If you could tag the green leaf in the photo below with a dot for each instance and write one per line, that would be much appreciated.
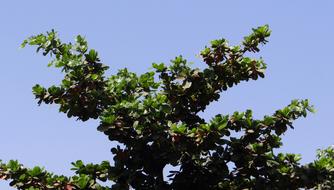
(83, 181)
(91, 57)
(159, 67)
(38, 90)
(94, 76)
(36, 171)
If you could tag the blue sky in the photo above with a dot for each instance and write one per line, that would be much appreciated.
(134, 34)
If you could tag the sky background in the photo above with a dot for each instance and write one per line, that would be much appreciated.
(134, 34)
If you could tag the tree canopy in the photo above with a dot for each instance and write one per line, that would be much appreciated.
(153, 120)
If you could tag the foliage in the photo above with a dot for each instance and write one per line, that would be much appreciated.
(156, 124)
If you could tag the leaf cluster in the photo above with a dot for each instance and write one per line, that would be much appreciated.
(154, 118)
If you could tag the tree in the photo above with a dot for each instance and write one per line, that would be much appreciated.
(156, 124)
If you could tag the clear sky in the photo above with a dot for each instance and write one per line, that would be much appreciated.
(134, 34)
